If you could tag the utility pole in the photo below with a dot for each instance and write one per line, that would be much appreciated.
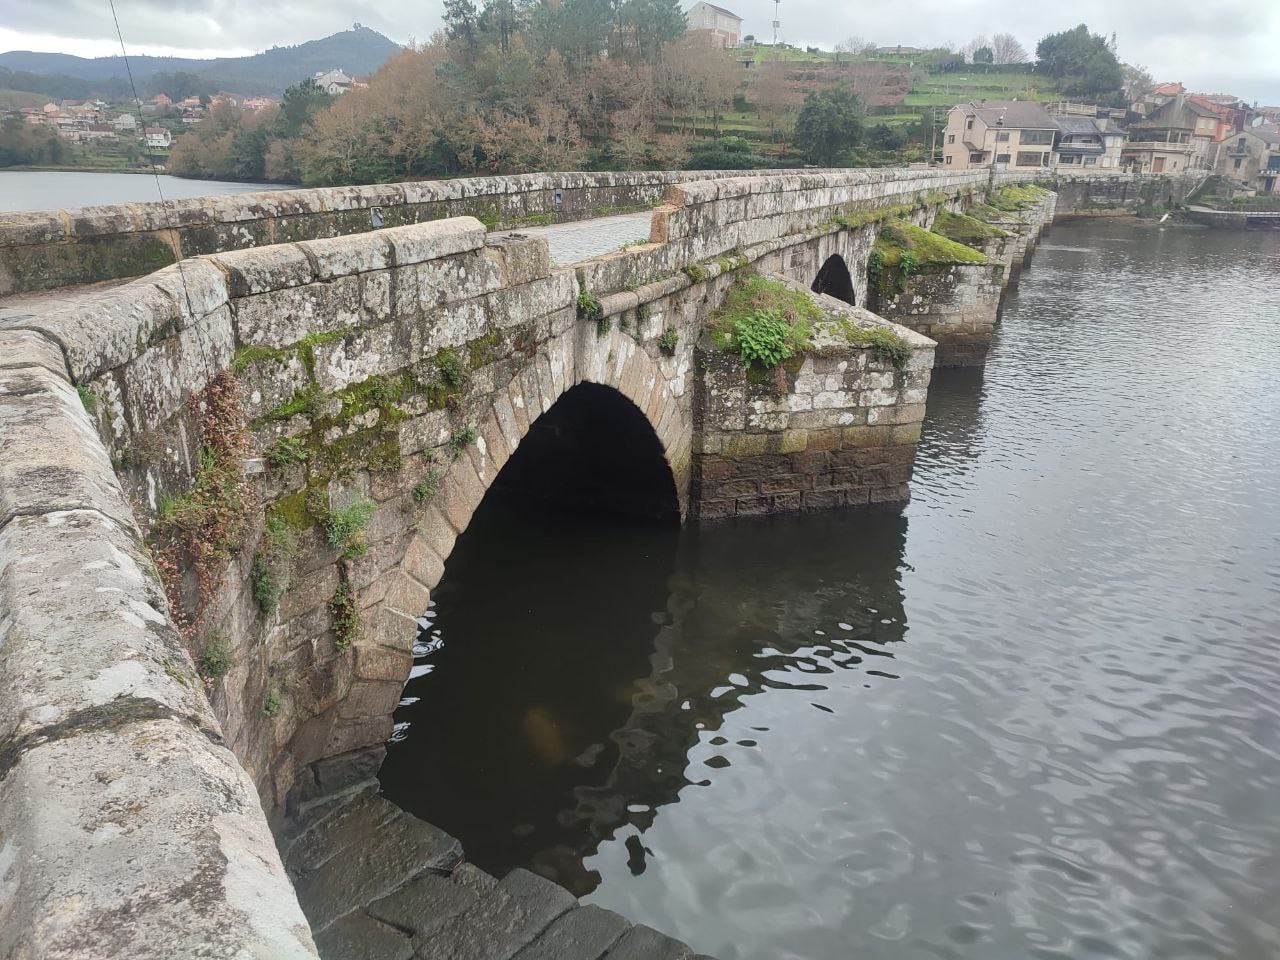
(933, 128)
(777, 19)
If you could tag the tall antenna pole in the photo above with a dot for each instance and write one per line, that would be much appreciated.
(777, 19)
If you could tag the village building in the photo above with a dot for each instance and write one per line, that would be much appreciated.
(1018, 133)
(1183, 134)
(1085, 142)
(158, 138)
(723, 26)
(334, 82)
(1250, 159)
(125, 123)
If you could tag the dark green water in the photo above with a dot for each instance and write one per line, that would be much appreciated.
(1037, 715)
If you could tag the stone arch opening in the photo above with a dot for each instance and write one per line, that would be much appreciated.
(835, 280)
(497, 730)
(593, 451)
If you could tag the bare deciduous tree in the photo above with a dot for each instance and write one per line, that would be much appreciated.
(1137, 81)
(977, 43)
(857, 46)
(1007, 49)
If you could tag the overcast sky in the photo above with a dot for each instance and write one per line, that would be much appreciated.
(1213, 46)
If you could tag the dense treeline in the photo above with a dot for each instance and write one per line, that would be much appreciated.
(524, 85)
(22, 145)
(61, 87)
(507, 85)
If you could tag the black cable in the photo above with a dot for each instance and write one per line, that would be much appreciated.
(164, 202)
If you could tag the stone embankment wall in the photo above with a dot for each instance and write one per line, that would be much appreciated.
(1119, 194)
(360, 393)
(55, 248)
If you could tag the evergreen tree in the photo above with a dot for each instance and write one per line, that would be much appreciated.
(829, 125)
(461, 21)
(1085, 61)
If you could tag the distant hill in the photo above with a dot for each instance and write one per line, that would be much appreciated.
(359, 50)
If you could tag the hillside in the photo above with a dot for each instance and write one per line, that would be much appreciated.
(359, 50)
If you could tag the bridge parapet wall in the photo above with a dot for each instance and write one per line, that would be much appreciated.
(712, 217)
(127, 826)
(41, 250)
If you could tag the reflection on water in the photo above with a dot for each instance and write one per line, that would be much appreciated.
(1035, 717)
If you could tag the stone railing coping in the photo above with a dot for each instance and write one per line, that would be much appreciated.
(104, 328)
(48, 226)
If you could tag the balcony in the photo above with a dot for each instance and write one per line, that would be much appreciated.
(1158, 146)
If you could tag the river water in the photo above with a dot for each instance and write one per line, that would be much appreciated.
(1036, 715)
(65, 190)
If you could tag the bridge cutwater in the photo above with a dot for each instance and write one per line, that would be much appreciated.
(240, 436)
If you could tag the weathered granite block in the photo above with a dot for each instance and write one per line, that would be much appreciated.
(764, 450)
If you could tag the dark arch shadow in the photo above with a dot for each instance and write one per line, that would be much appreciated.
(835, 281)
(538, 631)
(592, 452)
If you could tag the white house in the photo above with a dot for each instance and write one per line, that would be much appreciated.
(334, 82)
(158, 138)
(724, 26)
(125, 123)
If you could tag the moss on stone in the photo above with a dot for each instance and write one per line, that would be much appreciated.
(272, 571)
(961, 228)
(305, 400)
(304, 350)
(87, 399)
(344, 608)
(1014, 198)
(885, 344)
(989, 214)
(293, 510)
(900, 239)
(696, 272)
(483, 350)
(764, 321)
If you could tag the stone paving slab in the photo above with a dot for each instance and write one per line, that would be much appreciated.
(371, 895)
(587, 239)
(358, 936)
(582, 934)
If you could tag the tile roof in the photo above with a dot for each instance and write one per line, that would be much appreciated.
(727, 13)
(1012, 113)
(1077, 125)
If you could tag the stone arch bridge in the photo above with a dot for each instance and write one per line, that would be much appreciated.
(228, 486)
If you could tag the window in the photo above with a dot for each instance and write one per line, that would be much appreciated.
(969, 124)
(1242, 144)
(1037, 137)
(1239, 161)
(1029, 159)
(951, 138)
(975, 158)
(1002, 158)
(1090, 161)
(948, 159)
(1002, 136)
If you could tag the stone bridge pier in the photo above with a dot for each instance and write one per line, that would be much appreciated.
(229, 485)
